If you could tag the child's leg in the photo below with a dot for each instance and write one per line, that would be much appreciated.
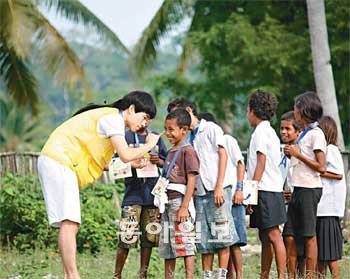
(266, 254)
(145, 258)
(292, 256)
(122, 254)
(334, 268)
(189, 266)
(207, 261)
(237, 261)
(321, 268)
(223, 255)
(311, 256)
(231, 268)
(274, 236)
(301, 267)
(170, 268)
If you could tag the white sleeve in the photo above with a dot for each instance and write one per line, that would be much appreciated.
(233, 150)
(319, 141)
(215, 134)
(334, 160)
(111, 125)
(260, 142)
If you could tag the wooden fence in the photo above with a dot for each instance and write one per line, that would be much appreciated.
(25, 163)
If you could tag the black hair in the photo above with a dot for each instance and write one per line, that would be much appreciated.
(329, 128)
(182, 117)
(142, 101)
(263, 104)
(181, 103)
(207, 116)
(309, 105)
(291, 117)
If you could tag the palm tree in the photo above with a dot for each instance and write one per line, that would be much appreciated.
(321, 60)
(23, 27)
(19, 130)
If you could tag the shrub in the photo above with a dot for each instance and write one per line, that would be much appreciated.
(24, 223)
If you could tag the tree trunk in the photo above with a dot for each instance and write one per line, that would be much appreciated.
(321, 61)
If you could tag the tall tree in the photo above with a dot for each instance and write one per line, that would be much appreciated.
(321, 61)
(24, 27)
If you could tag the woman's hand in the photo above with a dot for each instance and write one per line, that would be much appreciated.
(152, 138)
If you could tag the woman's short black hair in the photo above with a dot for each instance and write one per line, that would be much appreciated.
(142, 101)
(263, 104)
(181, 103)
(182, 117)
(309, 105)
(290, 116)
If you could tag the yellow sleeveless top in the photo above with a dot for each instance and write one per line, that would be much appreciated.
(77, 145)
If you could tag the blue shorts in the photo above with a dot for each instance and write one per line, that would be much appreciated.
(238, 214)
(214, 226)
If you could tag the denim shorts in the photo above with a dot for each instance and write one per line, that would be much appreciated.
(214, 226)
(176, 239)
(238, 214)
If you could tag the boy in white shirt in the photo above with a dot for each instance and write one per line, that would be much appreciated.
(235, 267)
(214, 192)
(263, 166)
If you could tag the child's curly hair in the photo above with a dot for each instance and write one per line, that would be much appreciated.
(263, 104)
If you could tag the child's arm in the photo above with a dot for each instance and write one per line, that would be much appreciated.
(259, 171)
(238, 196)
(183, 213)
(219, 191)
(260, 166)
(319, 165)
(332, 175)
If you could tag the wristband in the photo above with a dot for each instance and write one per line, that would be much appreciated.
(239, 186)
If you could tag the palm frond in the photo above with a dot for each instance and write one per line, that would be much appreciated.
(76, 12)
(59, 59)
(16, 25)
(18, 79)
(144, 53)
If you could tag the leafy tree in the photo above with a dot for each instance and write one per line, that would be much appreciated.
(239, 46)
(23, 28)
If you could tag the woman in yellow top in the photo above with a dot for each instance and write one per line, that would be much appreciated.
(77, 152)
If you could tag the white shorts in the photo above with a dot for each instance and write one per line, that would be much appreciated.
(61, 191)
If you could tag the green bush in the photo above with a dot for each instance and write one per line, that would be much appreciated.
(24, 223)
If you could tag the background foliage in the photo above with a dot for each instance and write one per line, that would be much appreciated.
(24, 223)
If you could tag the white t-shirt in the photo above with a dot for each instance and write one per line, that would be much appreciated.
(206, 143)
(304, 176)
(265, 140)
(111, 125)
(332, 202)
(235, 155)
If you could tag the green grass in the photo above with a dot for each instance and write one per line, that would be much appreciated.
(40, 263)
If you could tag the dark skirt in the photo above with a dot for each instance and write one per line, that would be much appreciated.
(329, 238)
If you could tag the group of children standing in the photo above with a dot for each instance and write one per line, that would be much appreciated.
(199, 194)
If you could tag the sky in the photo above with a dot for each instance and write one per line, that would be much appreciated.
(127, 18)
